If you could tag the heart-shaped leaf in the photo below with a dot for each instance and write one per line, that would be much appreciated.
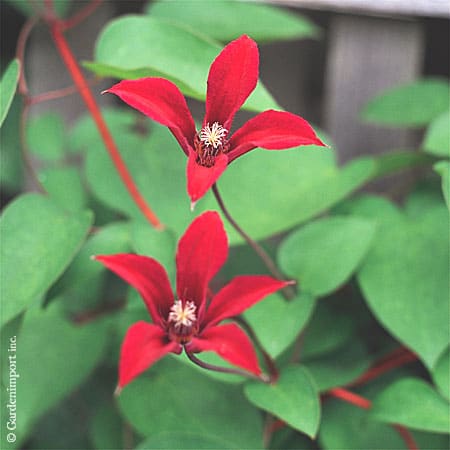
(404, 277)
(278, 322)
(293, 398)
(323, 254)
(413, 403)
(41, 239)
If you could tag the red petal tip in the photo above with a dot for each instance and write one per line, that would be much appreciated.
(193, 203)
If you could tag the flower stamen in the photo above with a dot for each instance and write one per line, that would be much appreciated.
(213, 136)
(182, 315)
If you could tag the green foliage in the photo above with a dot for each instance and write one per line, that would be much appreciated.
(339, 366)
(48, 352)
(437, 137)
(411, 105)
(227, 20)
(278, 322)
(323, 254)
(293, 398)
(46, 137)
(11, 165)
(425, 410)
(41, 249)
(441, 374)
(8, 85)
(127, 44)
(192, 397)
(404, 276)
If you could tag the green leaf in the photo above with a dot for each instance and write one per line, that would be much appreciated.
(441, 374)
(396, 161)
(407, 266)
(39, 239)
(414, 104)
(413, 403)
(46, 136)
(84, 134)
(263, 188)
(64, 185)
(443, 169)
(49, 347)
(339, 367)
(437, 137)
(81, 284)
(107, 428)
(323, 254)
(345, 426)
(329, 329)
(227, 20)
(160, 245)
(129, 43)
(278, 322)
(193, 398)
(8, 85)
(184, 440)
(11, 164)
(293, 398)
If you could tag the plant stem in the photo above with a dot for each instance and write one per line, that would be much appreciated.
(288, 292)
(55, 94)
(229, 370)
(83, 88)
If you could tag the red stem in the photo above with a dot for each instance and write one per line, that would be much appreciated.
(83, 88)
(396, 359)
(363, 403)
(55, 94)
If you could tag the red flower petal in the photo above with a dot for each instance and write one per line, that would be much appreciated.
(230, 343)
(162, 101)
(238, 295)
(143, 345)
(200, 178)
(232, 77)
(148, 277)
(272, 130)
(202, 251)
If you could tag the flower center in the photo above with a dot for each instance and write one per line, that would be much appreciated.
(209, 142)
(182, 315)
(182, 321)
(213, 136)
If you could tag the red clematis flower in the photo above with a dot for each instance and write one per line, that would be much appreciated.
(185, 320)
(232, 77)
